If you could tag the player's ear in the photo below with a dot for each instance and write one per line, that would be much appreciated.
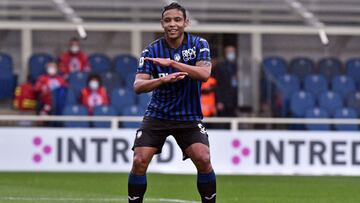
(187, 22)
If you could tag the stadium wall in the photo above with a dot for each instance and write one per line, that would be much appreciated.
(239, 152)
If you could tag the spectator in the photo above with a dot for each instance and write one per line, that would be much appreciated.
(208, 103)
(226, 94)
(73, 60)
(94, 94)
(46, 84)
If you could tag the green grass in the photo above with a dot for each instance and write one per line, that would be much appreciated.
(112, 187)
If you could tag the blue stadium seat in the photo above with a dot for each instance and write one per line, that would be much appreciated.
(111, 81)
(121, 99)
(133, 110)
(353, 70)
(299, 102)
(274, 67)
(301, 66)
(129, 81)
(343, 85)
(287, 85)
(75, 110)
(125, 64)
(330, 101)
(104, 111)
(315, 84)
(353, 101)
(71, 98)
(143, 99)
(7, 79)
(37, 65)
(330, 67)
(346, 113)
(58, 100)
(77, 81)
(99, 63)
(317, 113)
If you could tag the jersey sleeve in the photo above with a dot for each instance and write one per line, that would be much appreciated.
(203, 50)
(145, 66)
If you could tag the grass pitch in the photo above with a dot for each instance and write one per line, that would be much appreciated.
(112, 187)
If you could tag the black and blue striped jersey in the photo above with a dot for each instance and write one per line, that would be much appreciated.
(180, 100)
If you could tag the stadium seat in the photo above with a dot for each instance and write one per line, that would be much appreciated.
(317, 113)
(77, 81)
(37, 65)
(330, 67)
(287, 85)
(111, 81)
(125, 64)
(346, 113)
(353, 70)
(129, 81)
(315, 84)
(104, 111)
(274, 67)
(353, 101)
(299, 102)
(343, 85)
(301, 67)
(7, 79)
(58, 100)
(330, 101)
(71, 97)
(143, 99)
(99, 63)
(133, 110)
(75, 110)
(121, 99)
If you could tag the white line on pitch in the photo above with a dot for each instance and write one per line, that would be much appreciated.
(91, 199)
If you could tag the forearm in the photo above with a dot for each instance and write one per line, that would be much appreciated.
(195, 72)
(141, 86)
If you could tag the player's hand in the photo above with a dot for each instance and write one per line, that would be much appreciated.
(174, 77)
(160, 61)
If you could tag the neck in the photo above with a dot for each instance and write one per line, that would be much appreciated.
(175, 43)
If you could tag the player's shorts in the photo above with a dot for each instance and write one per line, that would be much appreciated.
(153, 133)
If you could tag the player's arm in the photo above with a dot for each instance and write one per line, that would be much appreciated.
(201, 71)
(144, 83)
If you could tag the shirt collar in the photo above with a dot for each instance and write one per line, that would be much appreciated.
(185, 40)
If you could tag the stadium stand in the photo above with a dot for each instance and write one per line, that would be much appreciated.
(353, 70)
(7, 78)
(317, 113)
(75, 110)
(330, 101)
(125, 64)
(286, 85)
(121, 99)
(99, 63)
(343, 85)
(111, 81)
(353, 101)
(300, 102)
(37, 64)
(301, 66)
(77, 81)
(274, 67)
(330, 67)
(346, 113)
(133, 110)
(104, 111)
(315, 84)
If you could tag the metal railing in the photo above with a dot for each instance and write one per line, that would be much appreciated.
(234, 121)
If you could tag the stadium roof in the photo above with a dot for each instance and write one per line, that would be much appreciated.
(242, 12)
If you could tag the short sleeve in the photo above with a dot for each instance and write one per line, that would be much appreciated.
(203, 50)
(145, 66)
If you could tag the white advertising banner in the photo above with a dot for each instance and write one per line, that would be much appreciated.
(242, 152)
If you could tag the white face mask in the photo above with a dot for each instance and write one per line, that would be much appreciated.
(94, 85)
(231, 56)
(74, 49)
(52, 70)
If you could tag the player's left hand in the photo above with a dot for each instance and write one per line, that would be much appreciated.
(160, 61)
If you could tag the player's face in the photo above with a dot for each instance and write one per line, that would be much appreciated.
(173, 23)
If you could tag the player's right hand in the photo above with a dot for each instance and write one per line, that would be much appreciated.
(174, 77)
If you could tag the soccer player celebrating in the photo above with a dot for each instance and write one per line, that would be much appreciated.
(173, 67)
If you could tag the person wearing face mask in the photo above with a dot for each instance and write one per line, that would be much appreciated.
(94, 94)
(226, 74)
(46, 84)
(74, 59)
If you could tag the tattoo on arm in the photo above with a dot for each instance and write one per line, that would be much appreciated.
(204, 63)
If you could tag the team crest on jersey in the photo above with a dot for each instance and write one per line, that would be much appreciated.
(177, 57)
(141, 62)
(189, 54)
